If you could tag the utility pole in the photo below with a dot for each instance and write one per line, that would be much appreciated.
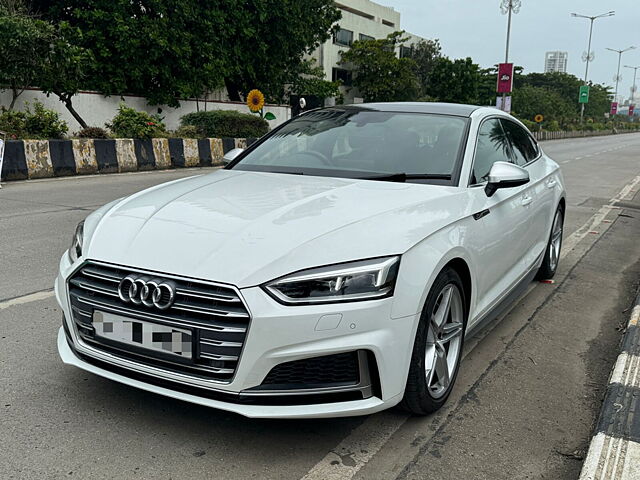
(508, 7)
(617, 78)
(634, 87)
(589, 55)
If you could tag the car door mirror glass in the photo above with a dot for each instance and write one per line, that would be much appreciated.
(231, 155)
(505, 175)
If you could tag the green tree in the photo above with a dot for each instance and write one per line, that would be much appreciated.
(455, 81)
(66, 68)
(310, 81)
(24, 46)
(529, 101)
(160, 49)
(268, 40)
(567, 86)
(378, 73)
(425, 53)
(165, 50)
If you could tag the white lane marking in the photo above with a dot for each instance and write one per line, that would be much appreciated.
(365, 441)
(32, 297)
(591, 224)
(578, 158)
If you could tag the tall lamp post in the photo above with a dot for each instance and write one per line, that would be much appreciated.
(633, 88)
(589, 55)
(617, 78)
(509, 8)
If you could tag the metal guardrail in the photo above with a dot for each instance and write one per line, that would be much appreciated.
(546, 135)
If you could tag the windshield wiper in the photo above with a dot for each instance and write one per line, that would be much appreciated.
(403, 177)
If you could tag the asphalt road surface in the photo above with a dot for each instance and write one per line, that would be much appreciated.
(525, 401)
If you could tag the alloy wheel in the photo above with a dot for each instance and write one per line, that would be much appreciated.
(556, 241)
(444, 340)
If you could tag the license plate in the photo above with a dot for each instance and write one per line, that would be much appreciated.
(152, 336)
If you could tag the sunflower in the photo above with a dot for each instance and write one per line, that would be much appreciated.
(255, 100)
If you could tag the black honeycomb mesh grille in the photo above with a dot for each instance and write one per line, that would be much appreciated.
(341, 368)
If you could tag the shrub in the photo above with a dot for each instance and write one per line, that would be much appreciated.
(13, 123)
(226, 123)
(44, 123)
(188, 131)
(37, 123)
(130, 123)
(533, 126)
(93, 132)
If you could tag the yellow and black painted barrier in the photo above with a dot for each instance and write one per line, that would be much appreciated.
(28, 159)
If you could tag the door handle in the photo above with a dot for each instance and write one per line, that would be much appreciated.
(526, 200)
(551, 183)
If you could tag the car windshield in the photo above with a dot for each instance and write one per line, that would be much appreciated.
(360, 143)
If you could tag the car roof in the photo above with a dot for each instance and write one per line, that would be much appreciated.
(456, 109)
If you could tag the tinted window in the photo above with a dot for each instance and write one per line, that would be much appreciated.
(357, 142)
(343, 37)
(523, 148)
(492, 146)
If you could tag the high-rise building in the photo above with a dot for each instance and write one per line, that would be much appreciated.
(555, 62)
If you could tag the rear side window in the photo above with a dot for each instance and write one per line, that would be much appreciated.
(523, 148)
(492, 146)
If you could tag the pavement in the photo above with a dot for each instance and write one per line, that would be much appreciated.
(525, 405)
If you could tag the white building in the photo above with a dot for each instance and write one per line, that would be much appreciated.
(361, 20)
(555, 62)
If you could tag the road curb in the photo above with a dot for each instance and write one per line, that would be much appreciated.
(30, 159)
(614, 451)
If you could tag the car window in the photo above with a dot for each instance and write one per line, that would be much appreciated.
(354, 142)
(522, 147)
(492, 146)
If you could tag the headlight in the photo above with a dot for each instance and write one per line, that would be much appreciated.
(361, 280)
(75, 250)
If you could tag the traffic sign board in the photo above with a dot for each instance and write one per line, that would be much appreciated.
(584, 94)
(538, 118)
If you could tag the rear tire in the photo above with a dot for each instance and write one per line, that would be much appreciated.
(437, 347)
(552, 254)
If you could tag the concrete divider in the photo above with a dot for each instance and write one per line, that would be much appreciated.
(27, 159)
(614, 451)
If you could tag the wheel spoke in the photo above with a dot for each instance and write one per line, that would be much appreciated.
(442, 367)
(430, 362)
(450, 331)
(441, 314)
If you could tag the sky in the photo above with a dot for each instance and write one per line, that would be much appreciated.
(477, 29)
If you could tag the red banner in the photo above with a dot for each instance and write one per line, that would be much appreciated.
(505, 78)
(614, 108)
(632, 109)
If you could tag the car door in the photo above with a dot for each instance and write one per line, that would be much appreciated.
(539, 196)
(502, 234)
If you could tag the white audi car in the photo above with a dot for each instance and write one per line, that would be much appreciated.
(332, 268)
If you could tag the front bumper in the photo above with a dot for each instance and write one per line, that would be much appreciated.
(277, 334)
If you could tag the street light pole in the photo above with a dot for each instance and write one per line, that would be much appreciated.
(618, 78)
(589, 54)
(508, 7)
(633, 88)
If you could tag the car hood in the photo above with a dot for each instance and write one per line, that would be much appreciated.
(246, 228)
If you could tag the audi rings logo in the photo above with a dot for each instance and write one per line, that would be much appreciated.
(150, 292)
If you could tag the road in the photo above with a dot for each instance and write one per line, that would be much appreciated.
(526, 398)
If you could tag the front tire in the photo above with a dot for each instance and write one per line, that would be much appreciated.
(438, 345)
(552, 254)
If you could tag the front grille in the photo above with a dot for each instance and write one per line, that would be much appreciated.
(214, 314)
(328, 370)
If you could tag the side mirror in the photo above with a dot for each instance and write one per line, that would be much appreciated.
(231, 155)
(505, 175)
